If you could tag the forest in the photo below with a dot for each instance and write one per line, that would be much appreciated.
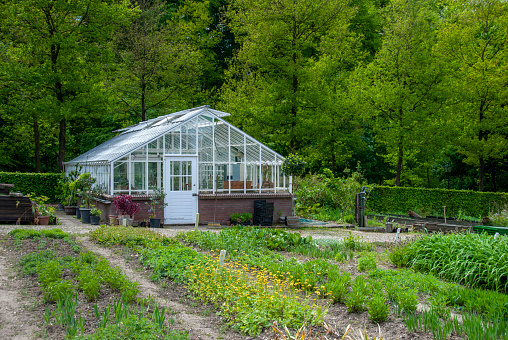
(408, 92)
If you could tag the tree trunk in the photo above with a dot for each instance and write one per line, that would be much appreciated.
(399, 163)
(37, 144)
(61, 144)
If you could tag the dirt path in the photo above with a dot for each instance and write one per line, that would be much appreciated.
(199, 326)
(17, 322)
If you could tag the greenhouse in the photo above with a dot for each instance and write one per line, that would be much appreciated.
(188, 154)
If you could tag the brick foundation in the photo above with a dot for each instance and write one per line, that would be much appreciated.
(105, 204)
(239, 203)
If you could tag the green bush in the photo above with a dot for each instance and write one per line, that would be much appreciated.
(430, 201)
(367, 262)
(46, 184)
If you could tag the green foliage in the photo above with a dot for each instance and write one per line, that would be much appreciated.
(133, 327)
(46, 184)
(21, 234)
(338, 286)
(472, 203)
(95, 212)
(356, 299)
(378, 309)
(52, 284)
(476, 260)
(406, 299)
(326, 190)
(367, 262)
(293, 165)
(499, 218)
(355, 243)
(241, 217)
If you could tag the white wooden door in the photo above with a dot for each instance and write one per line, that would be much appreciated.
(180, 185)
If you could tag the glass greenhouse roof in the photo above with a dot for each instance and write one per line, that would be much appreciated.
(132, 137)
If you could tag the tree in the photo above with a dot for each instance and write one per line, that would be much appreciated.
(159, 59)
(398, 93)
(473, 43)
(61, 47)
(267, 84)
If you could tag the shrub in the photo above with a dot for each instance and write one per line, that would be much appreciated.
(466, 202)
(45, 184)
(338, 285)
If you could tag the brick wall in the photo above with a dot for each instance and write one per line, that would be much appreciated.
(238, 203)
(105, 204)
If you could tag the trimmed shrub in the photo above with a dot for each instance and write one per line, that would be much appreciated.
(465, 202)
(45, 184)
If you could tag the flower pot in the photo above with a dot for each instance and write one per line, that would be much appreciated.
(69, 210)
(94, 220)
(142, 224)
(113, 220)
(78, 212)
(155, 223)
(85, 215)
(43, 220)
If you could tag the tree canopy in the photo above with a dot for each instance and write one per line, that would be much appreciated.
(393, 88)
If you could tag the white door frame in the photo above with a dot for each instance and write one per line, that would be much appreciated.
(193, 193)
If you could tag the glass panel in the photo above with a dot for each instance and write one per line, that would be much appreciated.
(139, 176)
(120, 178)
(175, 183)
(173, 142)
(187, 183)
(205, 176)
(154, 175)
(139, 154)
(155, 151)
(175, 168)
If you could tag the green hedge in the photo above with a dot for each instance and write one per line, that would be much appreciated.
(385, 199)
(39, 184)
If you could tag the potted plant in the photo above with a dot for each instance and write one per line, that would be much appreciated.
(95, 215)
(86, 182)
(156, 202)
(70, 199)
(126, 207)
(44, 214)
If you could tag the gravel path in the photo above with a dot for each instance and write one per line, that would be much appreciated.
(70, 224)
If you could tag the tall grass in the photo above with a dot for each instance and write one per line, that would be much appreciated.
(476, 260)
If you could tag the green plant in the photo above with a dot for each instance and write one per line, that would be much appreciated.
(338, 285)
(406, 300)
(367, 262)
(355, 300)
(38, 184)
(241, 217)
(355, 243)
(500, 218)
(95, 212)
(476, 260)
(377, 308)
(85, 183)
(156, 202)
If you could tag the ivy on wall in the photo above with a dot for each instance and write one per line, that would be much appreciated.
(385, 199)
(45, 184)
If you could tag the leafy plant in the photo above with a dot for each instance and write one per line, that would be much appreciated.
(95, 212)
(377, 308)
(338, 286)
(355, 300)
(367, 262)
(407, 300)
(156, 202)
(241, 217)
(125, 206)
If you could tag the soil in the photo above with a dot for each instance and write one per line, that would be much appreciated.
(22, 307)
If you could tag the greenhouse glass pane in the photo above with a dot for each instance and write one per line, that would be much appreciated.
(139, 176)
(173, 143)
(252, 151)
(139, 154)
(189, 147)
(120, 176)
(154, 175)
(205, 176)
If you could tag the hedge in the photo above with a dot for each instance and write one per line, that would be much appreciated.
(40, 184)
(385, 199)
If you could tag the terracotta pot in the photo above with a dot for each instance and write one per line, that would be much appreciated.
(43, 220)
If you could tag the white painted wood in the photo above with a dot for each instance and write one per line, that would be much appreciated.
(182, 204)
